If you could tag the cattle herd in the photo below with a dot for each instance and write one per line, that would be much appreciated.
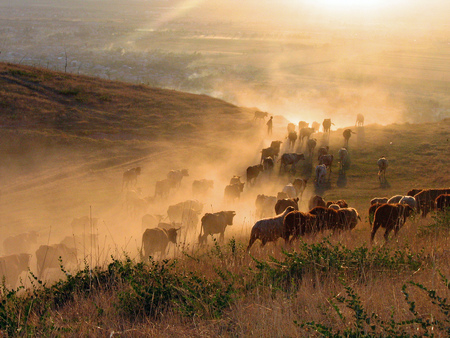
(275, 216)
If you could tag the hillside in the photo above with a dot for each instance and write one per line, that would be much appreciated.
(66, 141)
(57, 128)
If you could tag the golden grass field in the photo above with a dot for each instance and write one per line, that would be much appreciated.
(67, 139)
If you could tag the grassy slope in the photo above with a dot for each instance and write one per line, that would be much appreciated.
(95, 125)
(85, 131)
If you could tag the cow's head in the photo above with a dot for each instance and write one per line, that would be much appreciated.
(172, 234)
(229, 215)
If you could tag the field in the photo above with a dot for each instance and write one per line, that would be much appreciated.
(67, 141)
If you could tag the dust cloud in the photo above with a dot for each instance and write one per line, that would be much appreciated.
(296, 62)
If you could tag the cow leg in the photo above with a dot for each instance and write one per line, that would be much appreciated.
(374, 231)
(386, 233)
(251, 241)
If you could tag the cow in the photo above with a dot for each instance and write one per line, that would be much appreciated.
(316, 201)
(175, 177)
(390, 217)
(347, 134)
(316, 126)
(135, 203)
(271, 151)
(48, 256)
(235, 180)
(321, 174)
(327, 125)
(305, 133)
(156, 240)
(86, 243)
(215, 223)
(382, 166)
(265, 205)
(302, 124)
(283, 204)
(190, 219)
(359, 120)
(11, 267)
(290, 190)
(326, 218)
(290, 159)
(130, 176)
(253, 172)
(327, 160)
(292, 137)
(372, 209)
(442, 202)
(268, 229)
(322, 151)
(175, 212)
(162, 188)
(343, 159)
(290, 128)
(233, 192)
(260, 115)
(20, 243)
(311, 145)
(298, 223)
(300, 186)
(348, 218)
(426, 199)
(268, 165)
(202, 187)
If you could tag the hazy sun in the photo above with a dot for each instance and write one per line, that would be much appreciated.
(349, 5)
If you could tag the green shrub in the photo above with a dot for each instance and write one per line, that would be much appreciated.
(324, 257)
(439, 226)
(365, 324)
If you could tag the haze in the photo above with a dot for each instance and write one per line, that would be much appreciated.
(301, 59)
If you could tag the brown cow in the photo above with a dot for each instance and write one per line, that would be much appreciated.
(327, 219)
(347, 134)
(20, 243)
(202, 187)
(298, 223)
(442, 202)
(327, 125)
(156, 240)
(426, 198)
(390, 217)
(130, 176)
(48, 256)
(12, 266)
(316, 201)
(215, 223)
(359, 120)
(283, 204)
(268, 229)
